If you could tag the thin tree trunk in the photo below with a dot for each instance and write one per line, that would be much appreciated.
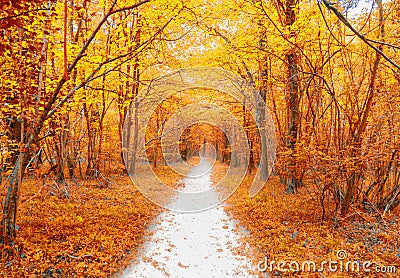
(292, 98)
(351, 184)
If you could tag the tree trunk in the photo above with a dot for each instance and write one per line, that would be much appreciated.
(351, 183)
(292, 99)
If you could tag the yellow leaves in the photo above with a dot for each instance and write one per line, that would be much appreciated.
(102, 4)
(96, 59)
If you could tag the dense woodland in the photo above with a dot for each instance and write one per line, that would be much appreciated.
(329, 78)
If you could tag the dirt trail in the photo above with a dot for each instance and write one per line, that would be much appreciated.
(202, 244)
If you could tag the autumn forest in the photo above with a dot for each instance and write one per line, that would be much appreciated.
(269, 130)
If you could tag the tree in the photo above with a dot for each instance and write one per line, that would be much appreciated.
(47, 106)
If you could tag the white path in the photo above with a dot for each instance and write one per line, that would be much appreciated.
(193, 245)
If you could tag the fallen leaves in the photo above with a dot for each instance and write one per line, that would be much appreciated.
(182, 265)
(95, 232)
(288, 227)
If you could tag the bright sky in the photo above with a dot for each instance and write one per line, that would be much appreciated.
(363, 6)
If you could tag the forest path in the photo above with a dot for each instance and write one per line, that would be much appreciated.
(202, 244)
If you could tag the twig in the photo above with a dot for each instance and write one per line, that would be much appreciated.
(33, 196)
(77, 257)
(384, 43)
(98, 173)
(390, 203)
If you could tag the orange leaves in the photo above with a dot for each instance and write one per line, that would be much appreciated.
(287, 227)
(95, 232)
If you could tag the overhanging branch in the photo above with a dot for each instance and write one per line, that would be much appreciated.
(358, 34)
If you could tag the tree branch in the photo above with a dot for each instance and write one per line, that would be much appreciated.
(92, 76)
(364, 39)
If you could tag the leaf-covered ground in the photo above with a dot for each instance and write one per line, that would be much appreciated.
(289, 228)
(84, 229)
(88, 229)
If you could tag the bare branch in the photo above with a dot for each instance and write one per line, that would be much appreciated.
(364, 39)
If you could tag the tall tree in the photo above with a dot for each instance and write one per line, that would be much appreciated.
(49, 105)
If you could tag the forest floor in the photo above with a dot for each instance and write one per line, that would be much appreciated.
(286, 227)
(89, 228)
(96, 229)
